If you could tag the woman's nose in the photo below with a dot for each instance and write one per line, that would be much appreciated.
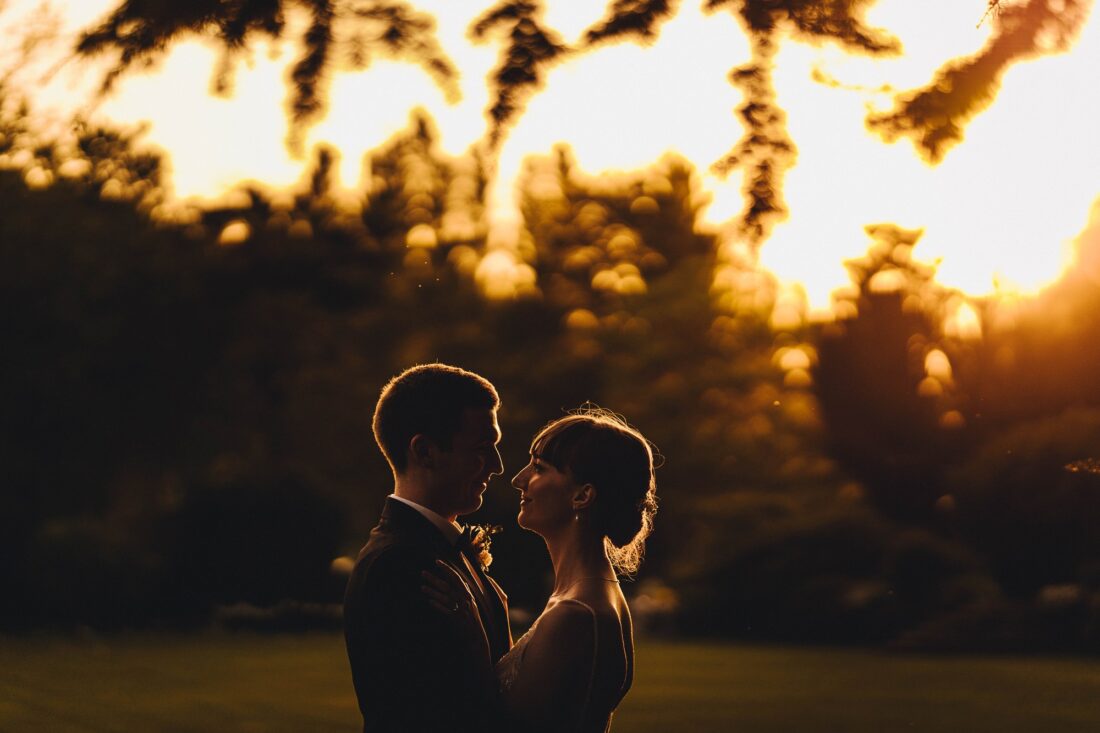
(519, 481)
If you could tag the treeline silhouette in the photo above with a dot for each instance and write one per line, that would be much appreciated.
(188, 396)
(349, 35)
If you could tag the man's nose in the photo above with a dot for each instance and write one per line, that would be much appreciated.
(497, 466)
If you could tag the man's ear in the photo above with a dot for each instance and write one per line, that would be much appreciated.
(584, 497)
(422, 451)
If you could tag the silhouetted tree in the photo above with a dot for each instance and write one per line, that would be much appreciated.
(348, 32)
(340, 33)
(632, 17)
(885, 429)
(999, 451)
(934, 115)
(524, 59)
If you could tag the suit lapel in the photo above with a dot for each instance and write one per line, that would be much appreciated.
(500, 640)
(504, 608)
(400, 519)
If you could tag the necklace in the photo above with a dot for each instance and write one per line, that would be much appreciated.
(578, 581)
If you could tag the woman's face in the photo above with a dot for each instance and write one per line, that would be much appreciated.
(546, 495)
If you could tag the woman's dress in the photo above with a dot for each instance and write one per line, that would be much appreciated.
(608, 679)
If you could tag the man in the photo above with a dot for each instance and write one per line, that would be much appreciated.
(414, 668)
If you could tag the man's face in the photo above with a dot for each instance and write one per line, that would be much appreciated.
(464, 471)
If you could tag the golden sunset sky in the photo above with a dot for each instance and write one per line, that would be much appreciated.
(1000, 213)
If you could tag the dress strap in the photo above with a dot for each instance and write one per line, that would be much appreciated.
(579, 603)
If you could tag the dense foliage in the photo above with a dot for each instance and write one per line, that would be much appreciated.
(188, 393)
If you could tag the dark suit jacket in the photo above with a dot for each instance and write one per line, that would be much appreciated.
(413, 666)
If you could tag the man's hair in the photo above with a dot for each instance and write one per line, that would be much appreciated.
(427, 399)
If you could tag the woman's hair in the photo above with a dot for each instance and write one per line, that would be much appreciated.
(596, 446)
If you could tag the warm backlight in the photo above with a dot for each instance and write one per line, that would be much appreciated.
(999, 213)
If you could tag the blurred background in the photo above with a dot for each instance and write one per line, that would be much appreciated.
(839, 261)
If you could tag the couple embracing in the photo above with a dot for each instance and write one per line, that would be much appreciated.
(427, 628)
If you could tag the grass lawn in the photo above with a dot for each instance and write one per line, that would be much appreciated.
(301, 683)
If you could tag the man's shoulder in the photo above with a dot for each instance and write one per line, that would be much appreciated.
(386, 553)
(387, 573)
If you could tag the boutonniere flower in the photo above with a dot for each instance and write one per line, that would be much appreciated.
(480, 539)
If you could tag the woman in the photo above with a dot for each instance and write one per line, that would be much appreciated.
(589, 492)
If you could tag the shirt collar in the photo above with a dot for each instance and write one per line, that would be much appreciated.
(450, 530)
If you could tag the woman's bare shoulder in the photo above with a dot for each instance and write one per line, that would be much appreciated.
(569, 614)
(605, 601)
(601, 612)
(565, 632)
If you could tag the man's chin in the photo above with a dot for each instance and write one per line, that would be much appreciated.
(473, 506)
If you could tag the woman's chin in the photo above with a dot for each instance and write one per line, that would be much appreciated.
(534, 523)
(523, 519)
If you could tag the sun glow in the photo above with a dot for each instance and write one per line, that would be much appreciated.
(999, 214)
